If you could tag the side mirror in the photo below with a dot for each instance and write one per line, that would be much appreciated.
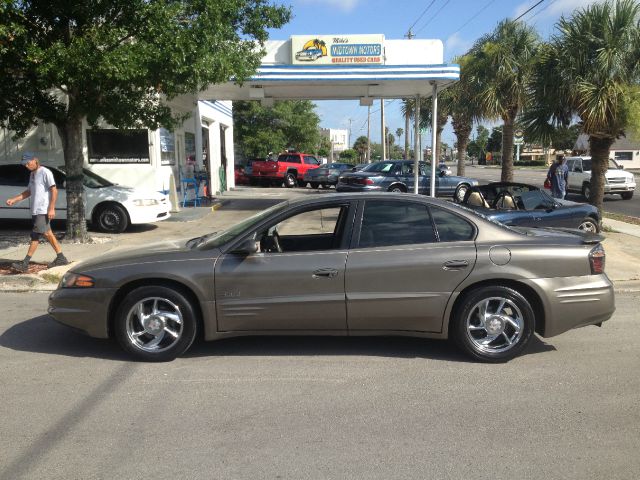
(247, 247)
(620, 167)
(442, 173)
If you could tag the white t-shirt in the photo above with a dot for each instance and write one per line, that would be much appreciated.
(40, 182)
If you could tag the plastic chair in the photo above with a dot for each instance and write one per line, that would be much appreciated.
(188, 184)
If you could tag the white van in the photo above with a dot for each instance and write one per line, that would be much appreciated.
(108, 207)
(616, 179)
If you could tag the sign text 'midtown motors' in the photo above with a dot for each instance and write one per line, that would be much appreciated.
(332, 50)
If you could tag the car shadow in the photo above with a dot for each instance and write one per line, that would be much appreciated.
(42, 334)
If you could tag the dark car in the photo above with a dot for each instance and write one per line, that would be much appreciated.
(345, 264)
(326, 175)
(397, 176)
(524, 205)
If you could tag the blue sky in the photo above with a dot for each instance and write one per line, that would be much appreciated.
(458, 23)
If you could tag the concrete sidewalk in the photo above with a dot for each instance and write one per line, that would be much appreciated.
(622, 244)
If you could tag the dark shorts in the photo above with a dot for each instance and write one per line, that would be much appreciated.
(40, 225)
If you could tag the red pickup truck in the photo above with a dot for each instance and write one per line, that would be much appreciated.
(288, 168)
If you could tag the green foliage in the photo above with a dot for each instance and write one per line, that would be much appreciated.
(259, 130)
(494, 143)
(116, 59)
(360, 145)
(349, 155)
(564, 138)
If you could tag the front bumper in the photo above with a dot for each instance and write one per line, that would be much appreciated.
(84, 309)
(573, 302)
(619, 187)
(148, 214)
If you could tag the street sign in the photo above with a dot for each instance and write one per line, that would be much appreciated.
(518, 137)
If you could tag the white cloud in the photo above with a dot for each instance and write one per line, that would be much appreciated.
(456, 45)
(551, 9)
(344, 5)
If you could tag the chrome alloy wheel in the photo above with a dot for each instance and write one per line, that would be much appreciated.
(494, 325)
(154, 324)
(588, 226)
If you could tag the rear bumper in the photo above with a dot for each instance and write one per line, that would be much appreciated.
(343, 187)
(573, 302)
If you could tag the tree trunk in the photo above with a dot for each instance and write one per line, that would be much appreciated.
(507, 146)
(407, 126)
(462, 135)
(599, 148)
(70, 132)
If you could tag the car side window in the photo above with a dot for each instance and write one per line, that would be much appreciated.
(59, 178)
(14, 176)
(451, 227)
(315, 229)
(577, 167)
(391, 223)
(407, 169)
(570, 164)
(309, 160)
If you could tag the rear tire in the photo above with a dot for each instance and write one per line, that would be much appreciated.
(586, 191)
(155, 323)
(290, 180)
(397, 189)
(627, 195)
(493, 323)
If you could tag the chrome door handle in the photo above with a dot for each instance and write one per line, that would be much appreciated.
(325, 273)
(455, 265)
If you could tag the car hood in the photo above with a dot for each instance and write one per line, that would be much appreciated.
(131, 193)
(155, 252)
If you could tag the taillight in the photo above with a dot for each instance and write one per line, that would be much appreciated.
(596, 259)
(363, 181)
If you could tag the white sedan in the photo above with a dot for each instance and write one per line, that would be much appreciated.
(109, 207)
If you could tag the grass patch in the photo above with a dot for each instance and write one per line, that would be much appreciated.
(622, 218)
(51, 277)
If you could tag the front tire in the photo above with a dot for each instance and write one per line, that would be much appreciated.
(627, 195)
(155, 323)
(112, 218)
(314, 184)
(493, 324)
(589, 225)
(586, 191)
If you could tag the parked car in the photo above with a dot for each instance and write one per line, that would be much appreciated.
(240, 175)
(108, 207)
(326, 175)
(397, 176)
(345, 264)
(288, 168)
(524, 205)
(616, 179)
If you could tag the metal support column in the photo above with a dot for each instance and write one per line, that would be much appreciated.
(434, 128)
(416, 146)
(382, 131)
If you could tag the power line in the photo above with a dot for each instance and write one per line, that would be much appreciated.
(434, 16)
(411, 35)
(541, 10)
(474, 16)
(528, 10)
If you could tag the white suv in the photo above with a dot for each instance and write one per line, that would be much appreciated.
(109, 207)
(616, 180)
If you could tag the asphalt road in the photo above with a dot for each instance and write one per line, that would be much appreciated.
(612, 203)
(73, 407)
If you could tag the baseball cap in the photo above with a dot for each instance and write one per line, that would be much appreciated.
(27, 157)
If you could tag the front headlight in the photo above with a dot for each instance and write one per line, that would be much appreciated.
(76, 280)
(147, 202)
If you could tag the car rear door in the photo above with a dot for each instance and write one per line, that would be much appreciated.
(300, 288)
(405, 261)
(14, 179)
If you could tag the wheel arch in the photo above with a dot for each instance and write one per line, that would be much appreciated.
(525, 290)
(127, 288)
(402, 186)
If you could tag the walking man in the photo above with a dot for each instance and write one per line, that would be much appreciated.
(43, 192)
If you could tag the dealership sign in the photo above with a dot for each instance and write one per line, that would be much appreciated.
(337, 49)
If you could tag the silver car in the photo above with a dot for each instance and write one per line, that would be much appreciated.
(397, 176)
(346, 264)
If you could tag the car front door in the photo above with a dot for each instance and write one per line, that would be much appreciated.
(295, 282)
(401, 270)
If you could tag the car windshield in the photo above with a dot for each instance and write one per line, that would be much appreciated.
(488, 219)
(91, 179)
(217, 239)
(586, 165)
(379, 167)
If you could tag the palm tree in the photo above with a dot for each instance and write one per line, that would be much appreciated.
(408, 109)
(463, 108)
(590, 69)
(361, 145)
(502, 66)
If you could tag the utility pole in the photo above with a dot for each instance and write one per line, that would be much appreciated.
(368, 159)
(382, 132)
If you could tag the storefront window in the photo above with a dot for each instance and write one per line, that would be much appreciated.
(624, 156)
(118, 145)
(167, 147)
(190, 148)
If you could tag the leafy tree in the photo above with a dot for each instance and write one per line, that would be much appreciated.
(502, 63)
(590, 68)
(361, 145)
(116, 61)
(349, 155)
(564, 138)
(494, 143)
(259, 130)
(482, 137)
